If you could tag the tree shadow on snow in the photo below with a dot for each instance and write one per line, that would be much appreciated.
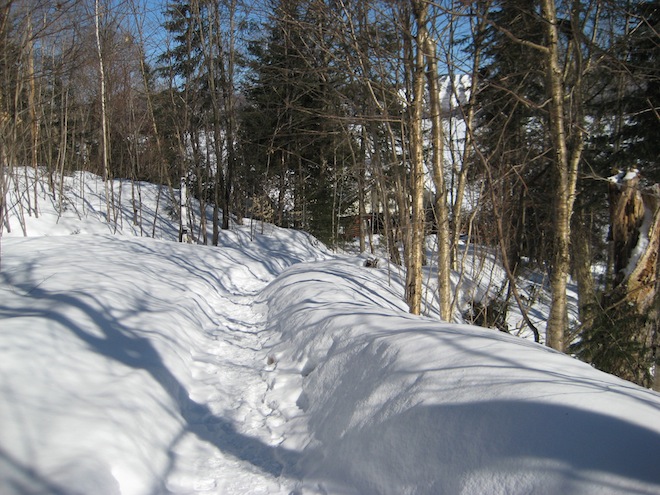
(120, 344)
(514, 446)
(501, 445)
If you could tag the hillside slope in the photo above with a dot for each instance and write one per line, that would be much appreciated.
(133, 365)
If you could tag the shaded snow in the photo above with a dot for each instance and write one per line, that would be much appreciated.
(402, 404)
(133, 365)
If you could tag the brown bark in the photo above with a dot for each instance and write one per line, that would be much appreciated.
(469, 119)
(34, 123)
(104, 119)
(635, 237)
(635, 232)
(582, 269)
(416, 245)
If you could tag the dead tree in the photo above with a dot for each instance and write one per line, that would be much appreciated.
(622, 337)
(635, 235)
(631, 212)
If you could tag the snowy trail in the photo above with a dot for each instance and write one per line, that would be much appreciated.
(227, 378)
(165, 331)
(130, 365)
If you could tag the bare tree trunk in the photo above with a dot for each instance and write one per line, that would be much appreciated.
(360, 165)
(32, 105)
(441, 209)
(162, 168)
(416, 246)
(634, 300)
(635, 219)
(227, 81)
(104, 118)
(4, 122)
(209, 34)
(62, 148)
(184, 226)
(582, 269)
(388, 223)
(566, 168)
(468, 118)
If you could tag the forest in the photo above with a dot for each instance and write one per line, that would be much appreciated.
(530, 127)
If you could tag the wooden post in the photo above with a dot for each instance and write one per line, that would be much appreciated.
(184, 227)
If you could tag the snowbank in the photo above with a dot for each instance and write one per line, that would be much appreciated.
(398, 404)
(77, 204)
(128, 364)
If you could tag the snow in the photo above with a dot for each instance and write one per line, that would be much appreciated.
(402, 404)
(642, 242)
(624, 176)
(267, 365)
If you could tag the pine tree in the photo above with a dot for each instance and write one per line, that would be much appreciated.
(641, 103)
(512, 130)
(292, 134)
(200, 65)
(621, 334)
(512, 140)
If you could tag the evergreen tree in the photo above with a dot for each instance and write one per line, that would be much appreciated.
(182, 64)
(620, 335)
(201, 64)
(292, 137)
(641, 102)
(512, 130)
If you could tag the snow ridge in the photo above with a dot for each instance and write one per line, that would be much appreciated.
(398, 404)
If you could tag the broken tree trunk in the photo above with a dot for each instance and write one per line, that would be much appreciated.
(635, 223)
(635, 235)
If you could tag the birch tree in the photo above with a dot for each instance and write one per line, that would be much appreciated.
(440, 207)
(104, 118)
(415, 248)
(567, 162)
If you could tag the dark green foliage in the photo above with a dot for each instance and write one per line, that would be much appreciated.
(512, 130)
(626, 96)
(641, 146)
(200, 68)
(292, 136)
(617, 342)
(623, 106)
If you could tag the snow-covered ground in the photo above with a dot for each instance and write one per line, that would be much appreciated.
(132, 364)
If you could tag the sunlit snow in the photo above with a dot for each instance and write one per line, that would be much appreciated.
(132, 364)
